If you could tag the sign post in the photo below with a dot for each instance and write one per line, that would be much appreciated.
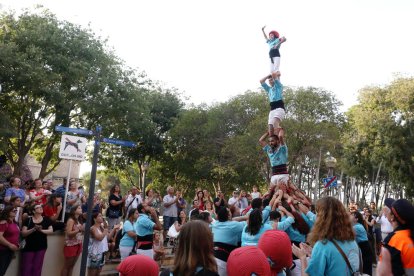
(90, 201)
(72, 148)
(70, 142)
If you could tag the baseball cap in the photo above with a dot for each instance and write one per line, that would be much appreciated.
(403, 210)
(388, 202)
(276, 246)
(247, 261)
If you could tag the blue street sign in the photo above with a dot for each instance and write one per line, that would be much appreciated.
(119, 142)
(329, 182)
(75, 130)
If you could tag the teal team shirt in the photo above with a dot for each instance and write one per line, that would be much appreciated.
(248, 239)
(144, 225)
(326, 259)
(273, 42)
(278, 157)
(228, 232)
(361, 233)
(127, 240)
(275, 92)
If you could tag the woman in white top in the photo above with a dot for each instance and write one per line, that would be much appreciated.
(98, 245)
(255, 193)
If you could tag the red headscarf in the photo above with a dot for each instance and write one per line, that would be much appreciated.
(276, 34)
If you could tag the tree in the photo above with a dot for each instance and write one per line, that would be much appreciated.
(56, 73)
(380, 131)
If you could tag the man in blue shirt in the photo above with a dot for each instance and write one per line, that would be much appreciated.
(277, 153)
(277, 107)
(146, 224)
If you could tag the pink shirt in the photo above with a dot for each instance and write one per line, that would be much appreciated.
(11, 233)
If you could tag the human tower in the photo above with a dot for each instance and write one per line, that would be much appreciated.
(275, 146)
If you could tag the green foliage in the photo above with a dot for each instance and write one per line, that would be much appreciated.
(381, 130)
(217, 147)
(56, 73)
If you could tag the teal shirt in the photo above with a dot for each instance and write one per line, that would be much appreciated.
(295, 235)
(127, 240)
(248, 239)
(278, 157)
(273, 42)
(285, 224)
(307, 220)
(326, 259)
(361, 233)
(228, 232)
(275, 92)
(265, 213)
(144, 225)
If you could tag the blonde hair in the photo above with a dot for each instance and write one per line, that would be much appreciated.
(195, 248)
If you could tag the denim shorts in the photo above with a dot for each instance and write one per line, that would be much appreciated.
(96, 260)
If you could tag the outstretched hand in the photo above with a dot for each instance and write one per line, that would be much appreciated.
(307, 248)
(263, 27)
(298, 252)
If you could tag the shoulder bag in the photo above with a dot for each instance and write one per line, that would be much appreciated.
(357, 273)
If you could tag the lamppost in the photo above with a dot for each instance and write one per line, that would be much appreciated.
(144, 168)
(330, 162)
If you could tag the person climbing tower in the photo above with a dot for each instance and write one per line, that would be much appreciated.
(277, 107)
(274, 43)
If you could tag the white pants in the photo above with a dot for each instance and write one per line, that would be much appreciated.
(276, 113)
(275, 65)
(279, 178)
(148, 253)
(221, 267)
(124, 251)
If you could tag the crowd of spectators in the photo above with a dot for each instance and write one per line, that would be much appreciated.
(278, 232)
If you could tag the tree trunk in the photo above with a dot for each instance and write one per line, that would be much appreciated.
(46, 159)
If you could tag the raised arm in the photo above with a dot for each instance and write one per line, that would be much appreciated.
(281, 40)
(264, 33)
(262, 140)
(282, 136)
(263, 80)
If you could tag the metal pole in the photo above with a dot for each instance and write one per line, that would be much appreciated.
(90, 201)
(143, 185)
(66, 191)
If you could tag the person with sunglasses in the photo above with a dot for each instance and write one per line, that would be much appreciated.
(35, 230)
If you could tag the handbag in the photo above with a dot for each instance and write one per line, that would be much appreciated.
(114, 213)
(356, 273)
(22, 242)
(172, 232)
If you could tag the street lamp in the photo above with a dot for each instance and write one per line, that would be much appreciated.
(144, 168)
(330, 162)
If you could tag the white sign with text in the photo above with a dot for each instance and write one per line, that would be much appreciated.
(73, 147)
